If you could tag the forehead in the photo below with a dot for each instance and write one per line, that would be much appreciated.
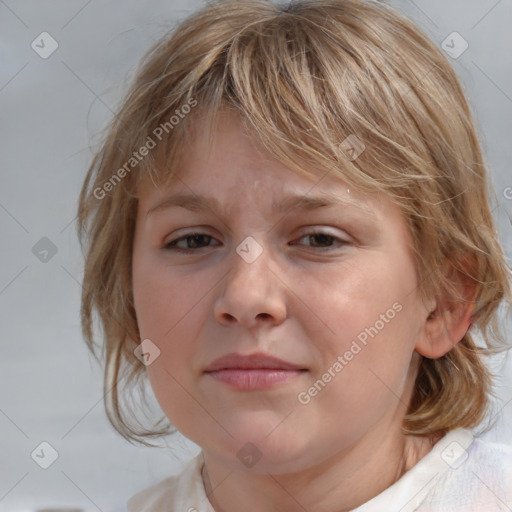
(228, 164)
(212, 154)
(228, 156)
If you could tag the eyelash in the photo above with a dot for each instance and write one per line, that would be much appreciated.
(171, 246)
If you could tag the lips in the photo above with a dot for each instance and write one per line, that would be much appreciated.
(255, 361)
(253, 372)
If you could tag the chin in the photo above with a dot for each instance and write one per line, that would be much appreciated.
(262, 448)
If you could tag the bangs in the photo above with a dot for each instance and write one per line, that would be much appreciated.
(301, 86)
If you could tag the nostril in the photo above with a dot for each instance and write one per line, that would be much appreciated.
(229, 317)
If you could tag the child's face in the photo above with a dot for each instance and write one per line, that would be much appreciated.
(304, 299)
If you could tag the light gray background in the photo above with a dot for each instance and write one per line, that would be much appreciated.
(52, 110)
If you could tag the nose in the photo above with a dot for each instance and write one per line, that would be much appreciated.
(252, 294)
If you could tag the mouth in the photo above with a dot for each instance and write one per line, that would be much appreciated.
(253, 372)
(254, 379)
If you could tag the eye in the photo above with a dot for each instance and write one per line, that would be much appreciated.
(322, 240)
(195, 241)
(189, 242)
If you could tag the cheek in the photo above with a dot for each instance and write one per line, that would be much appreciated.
(173, 393)
(168, 305)
(343, 300)
(365, 313)
(169, 319)
(163, 297)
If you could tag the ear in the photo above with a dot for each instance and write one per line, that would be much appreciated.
(448, 320)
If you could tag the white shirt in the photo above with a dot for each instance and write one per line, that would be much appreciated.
(460, 474)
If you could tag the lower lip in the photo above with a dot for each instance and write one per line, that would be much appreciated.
(252, 380)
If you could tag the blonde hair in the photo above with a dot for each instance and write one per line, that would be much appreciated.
(304, 77)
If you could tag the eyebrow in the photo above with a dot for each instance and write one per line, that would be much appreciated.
(198, 203)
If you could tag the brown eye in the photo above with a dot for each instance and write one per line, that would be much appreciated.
(321, 240)
(189, 242)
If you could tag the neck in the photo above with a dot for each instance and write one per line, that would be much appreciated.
(343, 482)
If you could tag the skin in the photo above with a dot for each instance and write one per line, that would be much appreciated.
(304, 299)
